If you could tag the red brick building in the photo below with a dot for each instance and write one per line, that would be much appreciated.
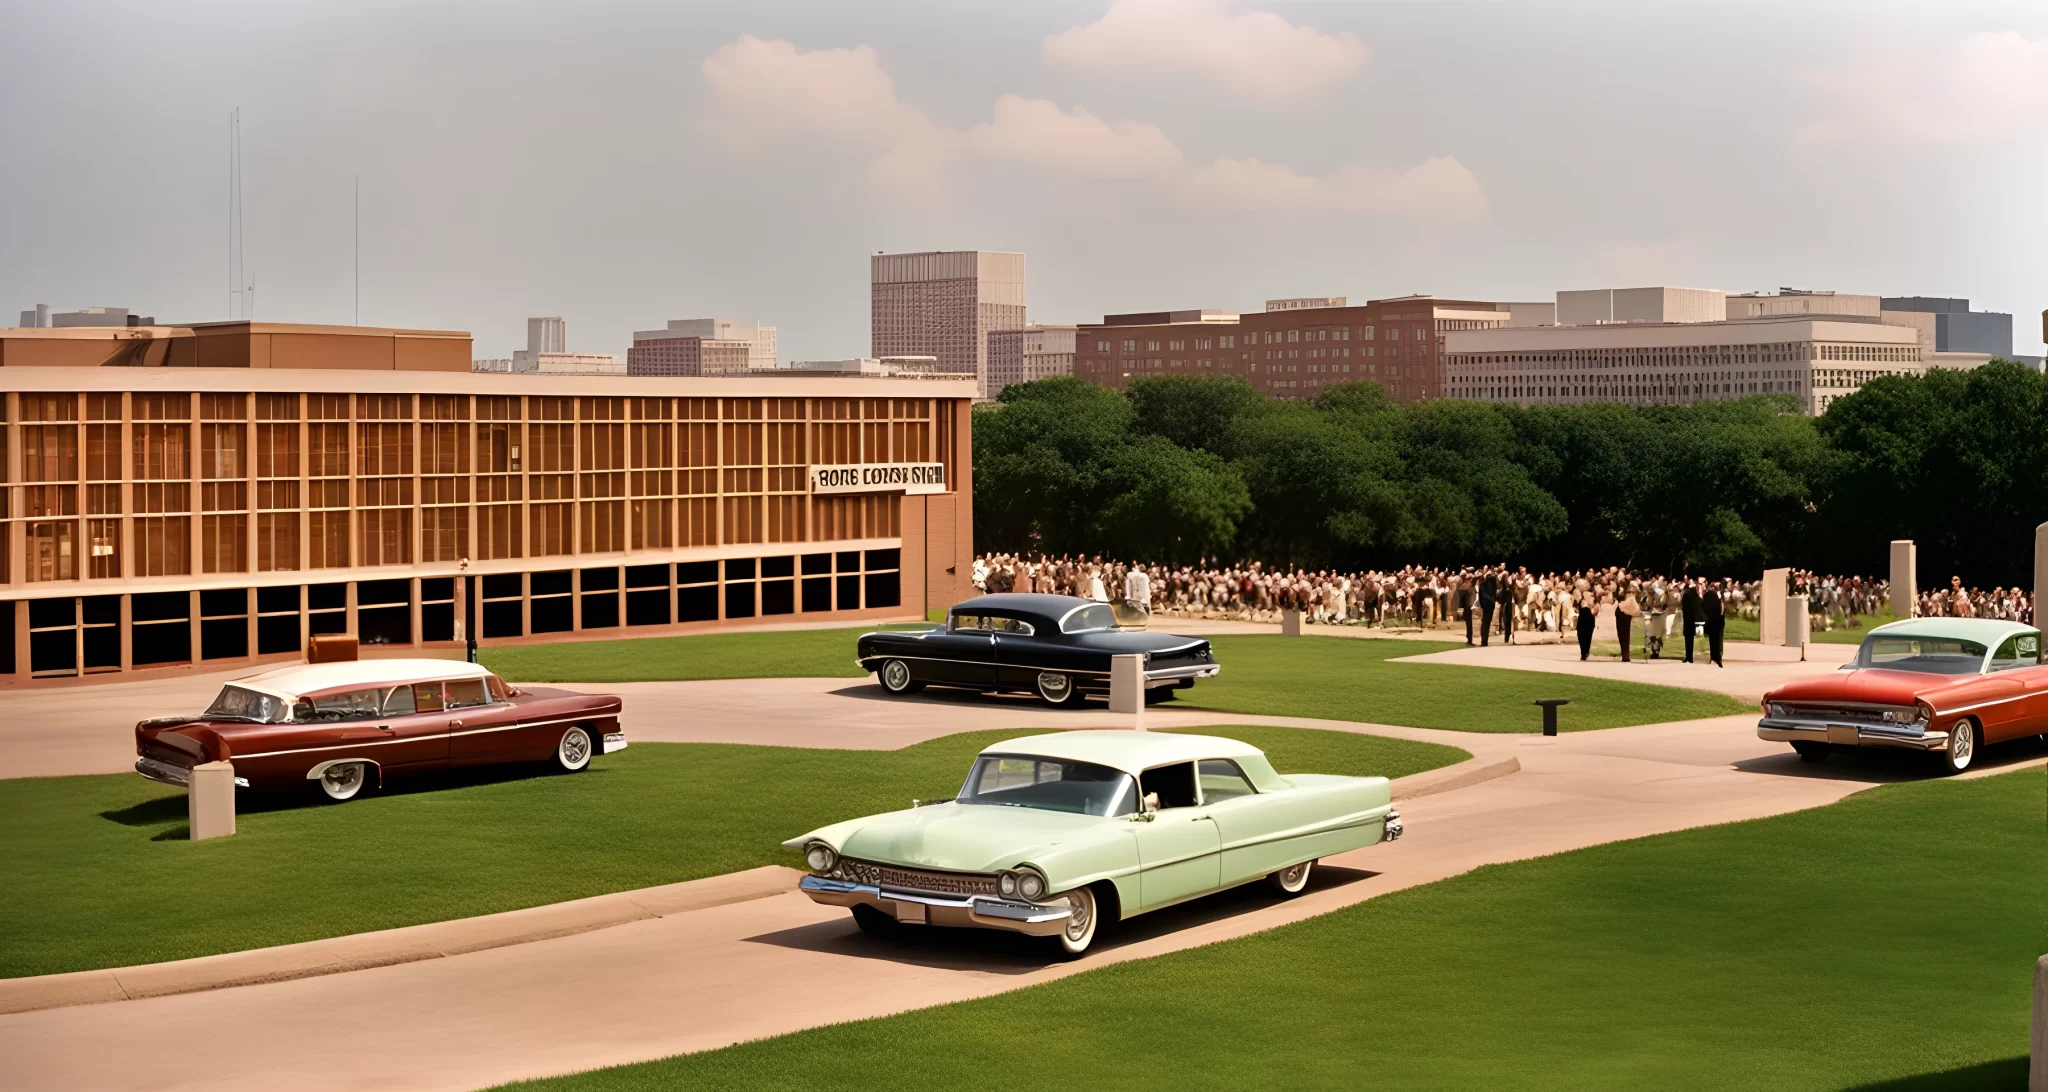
(1297, 353)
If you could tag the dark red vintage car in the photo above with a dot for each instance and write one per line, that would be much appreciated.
(1942, 685)
(344, 726)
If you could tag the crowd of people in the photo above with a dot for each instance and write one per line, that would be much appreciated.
(1485, 600)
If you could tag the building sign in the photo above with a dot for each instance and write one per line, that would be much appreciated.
(912, 478)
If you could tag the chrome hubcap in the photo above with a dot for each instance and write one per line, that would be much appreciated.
(1083, 915)
(895, 675)
(343, 779)
(1296, 876)
(575, 747)
(1053, 686)
(1961, 744)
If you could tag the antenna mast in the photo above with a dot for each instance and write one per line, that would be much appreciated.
(241, 294)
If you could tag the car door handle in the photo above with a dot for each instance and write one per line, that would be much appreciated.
(384, 728)
(454, 724)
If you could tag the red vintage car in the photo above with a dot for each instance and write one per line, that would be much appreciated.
(1942, 685)
(344, 726)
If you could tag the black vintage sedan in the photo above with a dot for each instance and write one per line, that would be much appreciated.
(1056, 646)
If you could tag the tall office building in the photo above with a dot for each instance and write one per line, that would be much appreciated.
(1035, 352)
(943, 303)
(1605, 306)
(547, 335)
(1957, 329)
(757, 337)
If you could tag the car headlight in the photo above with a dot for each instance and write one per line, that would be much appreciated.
(820, 857)
(1006, 884)
(1925, 711)
(1031, 884)
(1775, 710)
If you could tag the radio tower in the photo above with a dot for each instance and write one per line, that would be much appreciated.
(241, 292)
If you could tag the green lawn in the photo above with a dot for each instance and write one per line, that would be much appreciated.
(1350, 679)
(1854, 945)
(1746, 629)
(100, 874)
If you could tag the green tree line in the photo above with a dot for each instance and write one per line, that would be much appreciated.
(1182, 468)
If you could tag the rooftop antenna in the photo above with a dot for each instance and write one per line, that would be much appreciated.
(359, 250)
(241, 293)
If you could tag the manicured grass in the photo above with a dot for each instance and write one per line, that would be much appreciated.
(787, 654)
(1747, 629)
(1860, 943)
(1340, 679)
(99, 872)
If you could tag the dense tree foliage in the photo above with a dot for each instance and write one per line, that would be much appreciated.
(1184, 467)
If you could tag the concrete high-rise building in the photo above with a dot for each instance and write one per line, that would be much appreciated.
(547, 335)
(759, 338)
(38, 318)
(547, 353)
(943, 303)
(1601, 306)
(1035, 352)
(1957, 329)
(1800, 301)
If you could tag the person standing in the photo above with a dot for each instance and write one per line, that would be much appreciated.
(1624, 617)
(1466, 599)
(1716, 625)
(1690, 614)
(1586, 603)
(1513, 592)
(1489, 597)
(1138, 594)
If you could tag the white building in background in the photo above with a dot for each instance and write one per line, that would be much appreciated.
(903, 367)
(1815, 360)
(1800, 301)
(943, 303)
(547, 353)
(1602, 306)
(759, 337)
(1035, 352)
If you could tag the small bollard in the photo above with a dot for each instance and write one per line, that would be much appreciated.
(1127, 687)
(1290, 622)
(1550, 713)
(210, 800)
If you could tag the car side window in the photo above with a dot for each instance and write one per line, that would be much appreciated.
(1222, 780)
(963, 623)
(467, 694)
(354, 705)
(1000, 624)
(1175, 785)
(2019, 650)
(498, 690)
(398, 702)
(426, 697)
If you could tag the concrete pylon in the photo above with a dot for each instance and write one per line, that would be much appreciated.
(1127, 688)
(1905, 563)
(1797, 625)
(210, 800)
(1290, 622)
(1770, 607)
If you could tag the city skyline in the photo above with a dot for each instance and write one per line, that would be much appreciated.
(1136, 171)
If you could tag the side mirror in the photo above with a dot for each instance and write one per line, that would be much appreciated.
(1151, 804)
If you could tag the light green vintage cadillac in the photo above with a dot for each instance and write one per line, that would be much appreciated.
(1053, 835)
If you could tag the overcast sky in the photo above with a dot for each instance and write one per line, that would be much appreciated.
(621, 164)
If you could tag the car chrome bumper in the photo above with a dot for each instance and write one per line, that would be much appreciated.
(163, 773)
(1788, 730)
(1394, 827)
(614, 742)
(1033, 919)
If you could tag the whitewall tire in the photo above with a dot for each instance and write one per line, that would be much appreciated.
(1082, 924)
(573, 752)
(1963, 741)
(343, 780)
(1290, 882)
(895, 677)
(1057, 689)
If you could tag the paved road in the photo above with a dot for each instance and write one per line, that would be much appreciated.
(1752, 670)
(713, 977)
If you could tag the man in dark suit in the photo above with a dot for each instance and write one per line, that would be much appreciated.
(1710, 609)
(1690, 614)
(1465, 599)
(1489, 594)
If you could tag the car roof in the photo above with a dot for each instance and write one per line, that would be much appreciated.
(1129, 751)
(1052, 606)
(298, 679)
(1989, 632)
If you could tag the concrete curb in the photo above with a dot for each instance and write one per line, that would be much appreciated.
(390, 946)
(1470, 772)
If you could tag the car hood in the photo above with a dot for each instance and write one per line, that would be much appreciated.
(959, 837)
(1872, 685)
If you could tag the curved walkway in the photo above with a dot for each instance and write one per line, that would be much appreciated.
(711, 977)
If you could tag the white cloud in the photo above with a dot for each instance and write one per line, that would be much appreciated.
(1990, 86)
(1256, 53)
(770, 96)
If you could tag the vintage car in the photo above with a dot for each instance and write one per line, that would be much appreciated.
(1055, 645)
(344, 726)
(1943, 685)
(1058, 835)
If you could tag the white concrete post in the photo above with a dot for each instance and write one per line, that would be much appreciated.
(1905, 563)
(1127, 687)
(1290, 622)
(210, 800)
(2037, 1069)
(1770, 607)
(1798, 627)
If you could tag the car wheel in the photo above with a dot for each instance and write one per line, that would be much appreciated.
(1290, 882)
(895, 676)
(1057, 689)
(343, 780)
(1962, 747)
(1081, 924)
(573, 752)
(874, 922)
(1811, 752)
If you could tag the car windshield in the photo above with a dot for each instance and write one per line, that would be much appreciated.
(1050, 784)
(241, 703)
(1910, 652)
(1093, 616)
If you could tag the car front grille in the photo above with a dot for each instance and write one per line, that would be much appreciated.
(1847, 714)
(917, 879)
(1194, 657)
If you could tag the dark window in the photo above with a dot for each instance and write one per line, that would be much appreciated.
(884, 559)
(551, 583)
(601, 611)
(437, 589)
(849, 561)
(501, 619)
(384, 625)
(817, 564)
(817, 593)
(6, 637)
(46, 613)
(160, 643)
(1175, 785)
(502, 586)
(374, 592)
(102, 610)
(53, 651)
(849, 591)
(102, 635)
(327, 621)
(884, 589)
(739, 600)
(327, 596)
(437, 621)
(600, 580)
(223, 603)
(277, 600)
(648, 576)
(778, 597)
(552, 615)
(697, 572)
(739, 568)
(157, 607)
(277, 633)
(777, 566)
(697, 604)
(647, 608)
(223, 638)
